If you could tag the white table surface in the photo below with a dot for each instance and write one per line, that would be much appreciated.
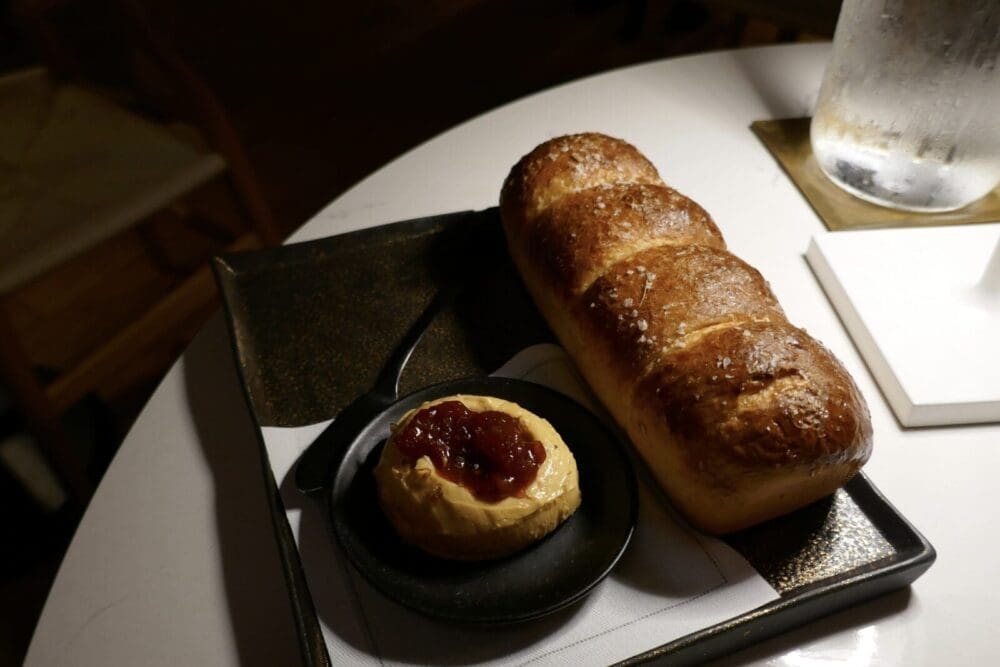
(174, 562)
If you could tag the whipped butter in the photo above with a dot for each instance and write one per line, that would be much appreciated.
(444, 517)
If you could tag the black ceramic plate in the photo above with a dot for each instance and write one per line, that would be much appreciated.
(545, 577)
(312, 324)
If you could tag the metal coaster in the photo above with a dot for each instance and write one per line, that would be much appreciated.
(788, 141)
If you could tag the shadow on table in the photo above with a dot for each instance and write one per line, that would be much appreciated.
(258, 604)
(782, 96)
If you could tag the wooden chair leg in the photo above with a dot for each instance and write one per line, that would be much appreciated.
(196, 295)
(41, 418)
(245, 184)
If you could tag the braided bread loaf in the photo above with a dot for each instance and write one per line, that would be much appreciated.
(740, 416)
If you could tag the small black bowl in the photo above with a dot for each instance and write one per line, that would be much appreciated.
(545, 577)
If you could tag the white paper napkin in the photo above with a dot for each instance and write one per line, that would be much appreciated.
(671, 581)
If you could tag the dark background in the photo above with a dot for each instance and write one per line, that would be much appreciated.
(321, 94)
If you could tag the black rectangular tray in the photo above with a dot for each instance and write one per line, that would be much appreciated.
(313, 322)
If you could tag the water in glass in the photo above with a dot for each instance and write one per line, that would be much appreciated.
(908, 115)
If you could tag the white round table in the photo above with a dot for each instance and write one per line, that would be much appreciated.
(174, 562)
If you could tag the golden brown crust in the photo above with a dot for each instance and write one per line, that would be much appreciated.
(740, 415)
(565, 165)
(580, 235)
(761, 395)
(665, 297)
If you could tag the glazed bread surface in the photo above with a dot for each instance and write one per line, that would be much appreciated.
(740, 416)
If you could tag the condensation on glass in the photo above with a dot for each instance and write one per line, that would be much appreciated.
(908, 115)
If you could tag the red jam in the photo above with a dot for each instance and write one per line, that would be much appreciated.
(490, 453)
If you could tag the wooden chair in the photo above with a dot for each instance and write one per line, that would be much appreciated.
(78, 166)
(793, 18)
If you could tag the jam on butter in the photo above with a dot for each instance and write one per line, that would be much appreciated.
(490, 453)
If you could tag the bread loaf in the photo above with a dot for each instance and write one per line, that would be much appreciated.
(740, 416)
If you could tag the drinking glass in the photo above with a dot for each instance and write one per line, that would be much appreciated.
(908, 115)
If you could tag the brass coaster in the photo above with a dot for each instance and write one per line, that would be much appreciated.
(788, 141)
